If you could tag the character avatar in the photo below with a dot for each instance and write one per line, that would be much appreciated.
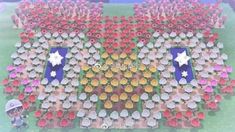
(14, 110)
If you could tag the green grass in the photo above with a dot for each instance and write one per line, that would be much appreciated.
(222, 121)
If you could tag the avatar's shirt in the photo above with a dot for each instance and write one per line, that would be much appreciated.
(17, 121)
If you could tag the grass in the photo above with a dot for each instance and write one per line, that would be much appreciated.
(220, 121)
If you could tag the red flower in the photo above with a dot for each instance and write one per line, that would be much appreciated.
(64, 123)
(201, 115)
(218, 98)
(59, 114)
(31, 35)
(195, 123)
(232, 83)
(189, 114)
(38, 113)
(212, 105)
(172, 123)
(222, 81)
(178, 115)
(25, 105)
(110, 50)
(24, 40)
(16, 83)
(8, 90)
(49, 115)
(21, 96)
(5, 82)
(72, 115)
(42, 123)
(206, 97)
(166, 114)
(32, 98)
(115, 45)
(128, 50)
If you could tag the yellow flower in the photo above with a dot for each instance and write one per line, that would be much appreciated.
(123, 96)
(147, 74)
(95, 69)
(108, 104)
(88, 89)
(95, 82)
(133, 69)
(114, 98)
(129, 104)
(133, 56)
(115, 56)
(103, 81)
(143, 81)
(105, 55)
(142, 67)
(128, 89)
(114, 69)
(152, 69)
(103, 96)
(154, 82)
(104, 67)
(127, 61)
(128, 74)
(109, 61)
(85, 67)
(109, 74)
(114, 82)
(134, 82)
(89, 74)
(123, 67)
(108, 89)
(135, 98)
(84, 81)
(148, 89)
(123, 81)
(123, 55)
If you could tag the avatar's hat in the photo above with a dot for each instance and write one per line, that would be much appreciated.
(12, 104)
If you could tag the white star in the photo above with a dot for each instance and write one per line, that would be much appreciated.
(55, 58)
(182, 58)
(184, 74)
(53, 74)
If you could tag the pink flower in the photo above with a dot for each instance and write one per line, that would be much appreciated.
(13, 75)
(229, 69)
(28, 89)
(209, 89)
(35, 83)
(224, 75)
(10, 68)
(25, 81)
(202, 81)
(217, 67)
(213, 83)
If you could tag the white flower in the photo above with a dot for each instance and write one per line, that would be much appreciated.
(55, 58)
(53, 74)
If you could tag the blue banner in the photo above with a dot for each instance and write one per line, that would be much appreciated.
(58, 68)
(181, 70)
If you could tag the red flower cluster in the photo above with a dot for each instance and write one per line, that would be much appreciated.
(181, 16)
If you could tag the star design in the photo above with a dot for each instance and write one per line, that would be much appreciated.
(55, 58)
(53, 74)
(184, 74)
(182, 58)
